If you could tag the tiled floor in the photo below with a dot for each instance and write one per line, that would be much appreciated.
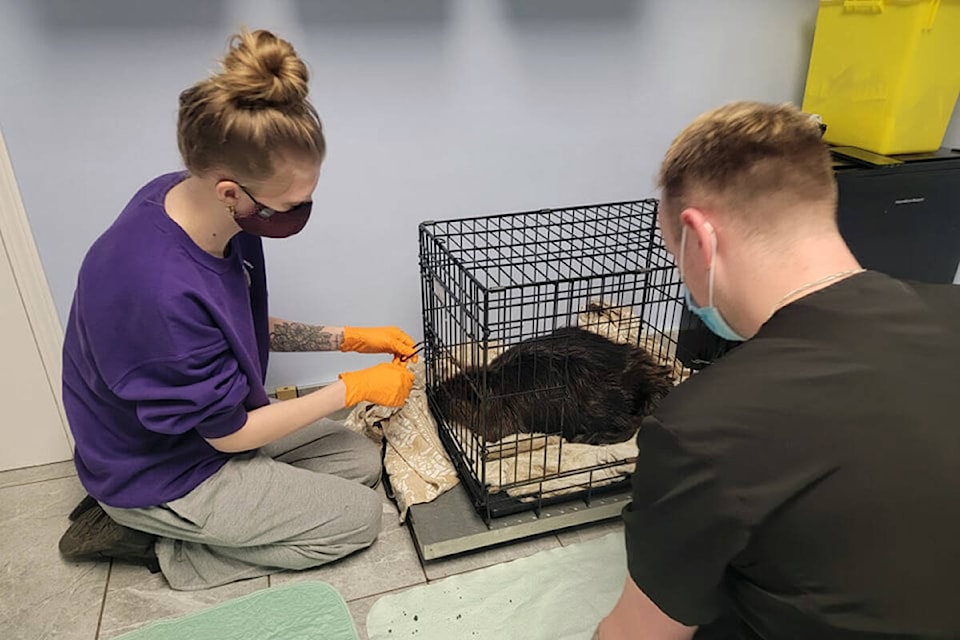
(45, 597)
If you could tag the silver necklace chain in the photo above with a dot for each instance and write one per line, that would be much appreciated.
(823, 280)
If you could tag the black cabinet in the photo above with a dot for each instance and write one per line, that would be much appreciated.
(903, 220)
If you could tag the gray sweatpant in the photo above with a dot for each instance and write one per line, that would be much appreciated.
(299, 502)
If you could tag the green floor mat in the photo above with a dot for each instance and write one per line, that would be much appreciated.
(560, 594)
(301, 611)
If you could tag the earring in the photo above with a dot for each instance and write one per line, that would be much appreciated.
(232, 210)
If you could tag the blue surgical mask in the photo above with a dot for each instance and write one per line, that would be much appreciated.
(709, 314)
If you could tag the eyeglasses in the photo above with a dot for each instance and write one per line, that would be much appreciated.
(263, 210)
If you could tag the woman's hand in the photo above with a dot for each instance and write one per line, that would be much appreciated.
(377, 340)
(386, 384)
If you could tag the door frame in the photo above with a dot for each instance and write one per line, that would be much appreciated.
(21, 250)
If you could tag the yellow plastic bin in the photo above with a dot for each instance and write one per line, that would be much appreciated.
(885, 74)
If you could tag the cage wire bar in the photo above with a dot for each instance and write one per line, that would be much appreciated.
(488, 283)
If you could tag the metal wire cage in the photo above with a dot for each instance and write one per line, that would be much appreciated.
(490, 283)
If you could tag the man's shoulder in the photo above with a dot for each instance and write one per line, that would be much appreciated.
(940, 298)
(742, 408)
(739, 377)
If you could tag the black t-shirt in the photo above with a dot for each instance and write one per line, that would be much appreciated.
(809, 481)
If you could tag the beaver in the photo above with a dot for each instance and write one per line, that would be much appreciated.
(571, 382)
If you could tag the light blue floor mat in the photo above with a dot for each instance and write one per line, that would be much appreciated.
(300, 611)
(559, 594)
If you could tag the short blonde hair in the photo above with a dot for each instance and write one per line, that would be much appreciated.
(256, 108)
(748, 158)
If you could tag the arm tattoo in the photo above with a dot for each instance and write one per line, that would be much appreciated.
(295, 336)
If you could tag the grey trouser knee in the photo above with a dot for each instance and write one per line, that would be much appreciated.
(298, 503)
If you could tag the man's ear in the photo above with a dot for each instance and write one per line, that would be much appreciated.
(700, 233)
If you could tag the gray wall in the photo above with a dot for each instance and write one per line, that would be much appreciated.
(434, 109)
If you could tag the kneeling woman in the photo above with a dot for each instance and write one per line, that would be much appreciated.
(166, 352)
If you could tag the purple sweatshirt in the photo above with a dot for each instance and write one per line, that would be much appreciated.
(165, 345)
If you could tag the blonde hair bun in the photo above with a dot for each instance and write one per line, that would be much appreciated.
(262, 70)
(236, 121)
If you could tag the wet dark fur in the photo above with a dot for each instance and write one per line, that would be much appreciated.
(596, 390)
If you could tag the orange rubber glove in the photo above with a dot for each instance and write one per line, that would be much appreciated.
(387, 384)
(377, 340)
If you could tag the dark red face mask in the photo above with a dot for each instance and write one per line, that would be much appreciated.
(269, 223)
